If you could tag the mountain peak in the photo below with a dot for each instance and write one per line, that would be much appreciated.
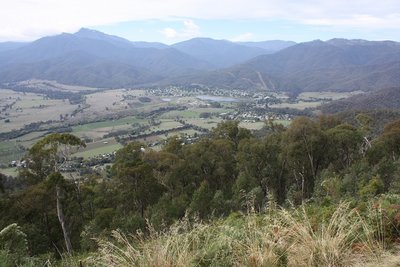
(93, 34)
(342, 41)
(86, 32)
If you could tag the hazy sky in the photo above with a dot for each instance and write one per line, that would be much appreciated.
(170, 21)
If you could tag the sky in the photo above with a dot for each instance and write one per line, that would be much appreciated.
(171, 21)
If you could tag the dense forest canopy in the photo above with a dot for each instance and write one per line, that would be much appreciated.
(317, 161)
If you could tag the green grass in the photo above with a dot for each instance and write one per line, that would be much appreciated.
(283, 122)
(166, 125)
(93, 152)
(9, 171)
(193, 113)
(213, 110)
(109, 123)
(205, 123)
(180, 113)
(326, 95)
(252, 125)
(32, 136)
(186, 132)
(301, 105)
(10, 151)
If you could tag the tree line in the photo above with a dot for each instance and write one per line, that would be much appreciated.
(321, 160)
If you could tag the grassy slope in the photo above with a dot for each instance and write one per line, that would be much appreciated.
(277, 237)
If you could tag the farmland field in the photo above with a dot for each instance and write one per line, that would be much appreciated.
(19, 109)
(9, 151)
(104, 146)
(252, 125)
(205, 123)
(55, 86)
(137, 116)
(326, 95)
(110, 123)
(301, 105)
(9, 171)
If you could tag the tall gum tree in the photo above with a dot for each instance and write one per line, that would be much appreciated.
(45, 160)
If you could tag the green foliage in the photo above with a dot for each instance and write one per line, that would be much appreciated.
(14, 248)
(305, 149)
(230, 130)
(137, 186)
(201, 200)
(314, 162)
(374, 187)
(344, 142)
(365, 123)
(12, 239)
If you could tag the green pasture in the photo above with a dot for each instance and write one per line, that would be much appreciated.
(108, 123)
(10, 151)
(205, 123)
(326, 95)
(252, 125)
(98, 150)
(10, 171)
(301, 105)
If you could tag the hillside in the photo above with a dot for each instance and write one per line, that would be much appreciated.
(6, 46)
(271, 46)
(338, 65)
(219, 53)
(90, 58)
(379, 100)
(95, 59)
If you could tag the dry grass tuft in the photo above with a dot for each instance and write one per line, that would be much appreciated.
(278, 238)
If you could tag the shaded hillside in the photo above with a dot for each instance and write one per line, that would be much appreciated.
(338, 64)
(78, 68)
(219, 53)
(271, 46)
(379, 117)
(94, 59)
(6, 46)
(380, 100)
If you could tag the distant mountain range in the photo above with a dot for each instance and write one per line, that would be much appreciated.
(335, 65)
(96, 59)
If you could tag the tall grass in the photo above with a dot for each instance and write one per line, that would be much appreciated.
(333, 243)
(278, 238)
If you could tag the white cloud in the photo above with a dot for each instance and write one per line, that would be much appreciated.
(391, 21)
(29, 19)
(243, 37)
(170, 33)
(190, 30)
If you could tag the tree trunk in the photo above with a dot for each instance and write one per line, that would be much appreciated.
(61, 219)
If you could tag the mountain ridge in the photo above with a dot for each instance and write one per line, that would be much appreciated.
(107, 60)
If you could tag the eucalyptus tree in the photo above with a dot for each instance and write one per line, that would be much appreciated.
(305, 146)
(135, 179)
(45, 161)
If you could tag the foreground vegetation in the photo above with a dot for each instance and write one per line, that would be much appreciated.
(215, 202)
(277, 237)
